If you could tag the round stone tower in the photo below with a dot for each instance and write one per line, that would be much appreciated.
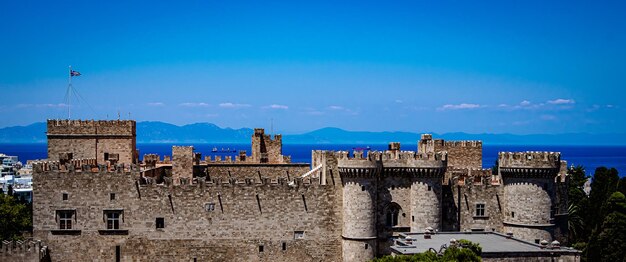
(529, 193)
(426, 198)
(359, 179)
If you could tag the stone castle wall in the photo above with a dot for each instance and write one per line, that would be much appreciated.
(244, 216)
(92, 139)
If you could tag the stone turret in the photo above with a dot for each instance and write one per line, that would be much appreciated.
(359, 176)
(529, 190)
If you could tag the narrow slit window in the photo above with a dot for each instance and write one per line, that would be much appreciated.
(284, 246)
(112, 196)
(260, 248)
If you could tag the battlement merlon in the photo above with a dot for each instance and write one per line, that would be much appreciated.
(529, 159)
(65, 127)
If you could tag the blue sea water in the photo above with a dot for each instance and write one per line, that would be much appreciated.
(590, 157)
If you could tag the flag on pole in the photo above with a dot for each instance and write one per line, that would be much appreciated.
(74, 73)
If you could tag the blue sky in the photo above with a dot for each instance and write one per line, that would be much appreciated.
(439, 66)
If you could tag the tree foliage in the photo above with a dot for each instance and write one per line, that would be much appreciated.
(15, 217)
(597, 223)
(608, 242)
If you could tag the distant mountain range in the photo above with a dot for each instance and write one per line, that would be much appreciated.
(159, 132)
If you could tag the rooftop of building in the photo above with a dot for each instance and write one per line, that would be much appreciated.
(492, 243)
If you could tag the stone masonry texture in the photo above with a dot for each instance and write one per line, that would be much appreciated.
(262, 208)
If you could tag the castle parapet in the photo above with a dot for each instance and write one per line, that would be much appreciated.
(65, 127)
(529, 163)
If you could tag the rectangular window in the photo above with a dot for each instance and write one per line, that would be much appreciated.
(113, 219)
(513, 214)
(260, 248)
(284, 246)
(160, 222)
(430, 188)
(65, 219)
(480, 210)
(118, 253)
(112, 196)
(106, 156)
(65, 196)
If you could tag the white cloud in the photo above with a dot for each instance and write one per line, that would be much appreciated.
(335, 108)
(459, 106)
(524, 103)
(188, 104)
(561, 101)
(276, 106)
(233, 105)
(60, 105)
(155, 104)
(398, 101)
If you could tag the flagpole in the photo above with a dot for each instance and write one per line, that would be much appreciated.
(69, 97)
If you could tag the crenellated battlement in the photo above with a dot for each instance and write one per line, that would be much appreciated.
(90, 127)
(23, 250)
(529, 159)
(463, 143)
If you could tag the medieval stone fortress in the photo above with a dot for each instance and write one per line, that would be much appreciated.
(94, 200)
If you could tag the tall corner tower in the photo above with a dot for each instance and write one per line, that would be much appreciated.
(359, 179)
(530, 193)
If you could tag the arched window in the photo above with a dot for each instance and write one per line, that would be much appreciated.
(393, 210)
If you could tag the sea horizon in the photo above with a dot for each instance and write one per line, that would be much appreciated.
(590, 157)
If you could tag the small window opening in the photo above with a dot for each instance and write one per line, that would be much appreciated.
(113, 219)
(480, 210)
(112, 196)
(392, 216)
(106, 156)
(160, 222)
(284, 246)
(366, 246)
(413, 218)
(260, 248)
(537, 240)
(430, 188)
(362, 188)
(65, 196)
(65, 219)
(513, 214)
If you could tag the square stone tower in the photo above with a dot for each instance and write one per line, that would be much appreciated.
(267, 150)
(113, 141)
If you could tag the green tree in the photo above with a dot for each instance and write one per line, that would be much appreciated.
(607, 242)
(621, 186)
(578, 202)
(14, 217)
(603, 184)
